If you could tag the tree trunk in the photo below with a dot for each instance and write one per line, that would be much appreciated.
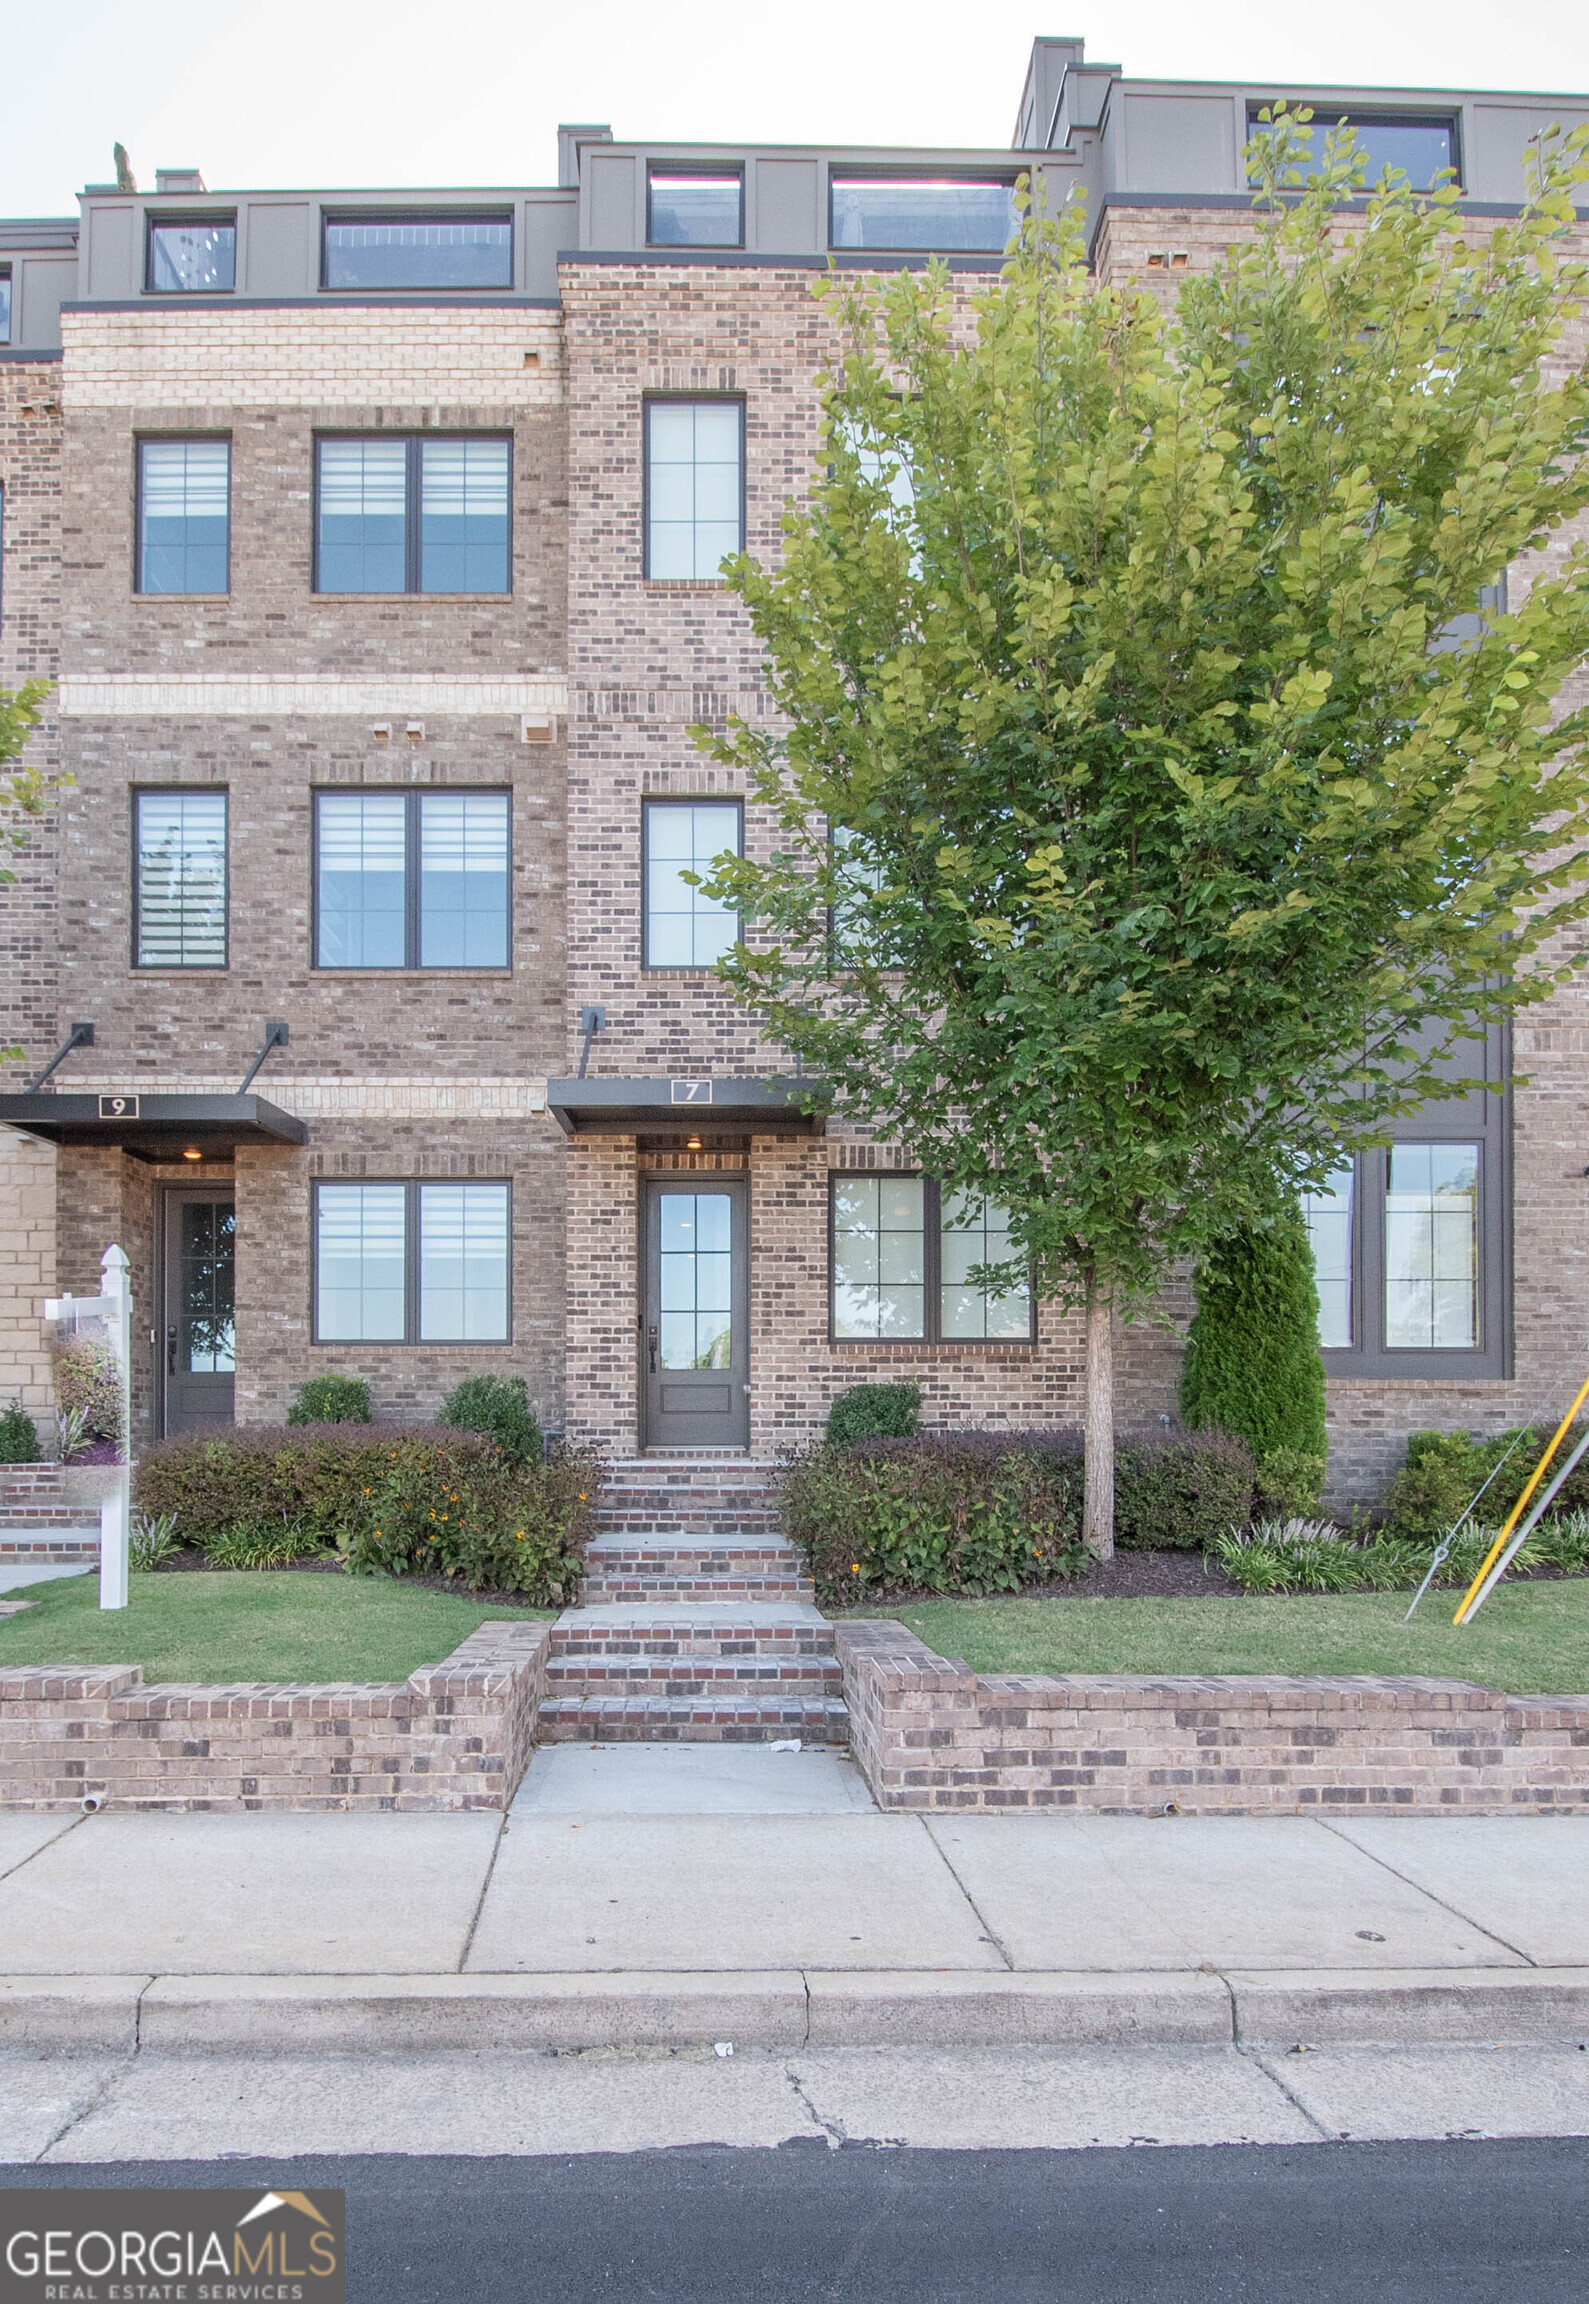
(1098, 1517)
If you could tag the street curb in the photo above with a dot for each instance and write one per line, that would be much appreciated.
(791, 2009)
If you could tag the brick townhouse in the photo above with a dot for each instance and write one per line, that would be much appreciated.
(371, 540)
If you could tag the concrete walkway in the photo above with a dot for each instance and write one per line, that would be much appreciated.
(669, 1896)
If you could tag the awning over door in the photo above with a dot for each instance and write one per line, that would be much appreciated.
(663, 1106)
(154, 1127)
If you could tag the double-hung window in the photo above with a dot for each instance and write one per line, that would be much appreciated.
(695, 486)
(1411, 1250)
(903, 1253)
(684, 927)
(191, 256)
(406, 515)
(184, 515)
(406, 1263)
(411, 879)
(179, 880)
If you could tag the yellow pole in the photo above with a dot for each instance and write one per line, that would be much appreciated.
(1518, 1509)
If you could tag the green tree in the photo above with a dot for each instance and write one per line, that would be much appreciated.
(1132, 810)
(25, 792)
(1252, 1363)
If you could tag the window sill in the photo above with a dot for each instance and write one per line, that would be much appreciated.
(684, 584)
(951, 1348)
(317, 594)
(416, 975)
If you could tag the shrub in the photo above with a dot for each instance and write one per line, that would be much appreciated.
(991, 1511)
(335, 1481)
(944, 1512)
(1252, 1363)
(1287, 1556)
(19, 1436)
(1290, 1483)
(88, 1384)
(500, 1407)
(331, 1400)
(875, 1412)
(1176, 1492)
(1445, 1470)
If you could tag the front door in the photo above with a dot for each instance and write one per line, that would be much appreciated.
(196, 1330)
(695, 1340)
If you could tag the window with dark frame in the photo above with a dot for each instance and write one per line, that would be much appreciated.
(412, 879)
(184, 516)
(179, 879)
(902, 1252)
(695, 208)
(412, 1263)
(694, 487)
(933, 215)
(403, 514)
(683, 926)
(1419, 144)
(191, 256)
(418, 249)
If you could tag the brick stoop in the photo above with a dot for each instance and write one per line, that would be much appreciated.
(697, 1622)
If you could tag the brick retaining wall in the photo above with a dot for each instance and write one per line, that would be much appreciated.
(453, 1735)
(46, 1495)
(929, 1733)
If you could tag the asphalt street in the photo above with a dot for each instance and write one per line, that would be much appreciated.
(1411, 2223)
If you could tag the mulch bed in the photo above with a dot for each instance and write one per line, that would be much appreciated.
(1156, 1576)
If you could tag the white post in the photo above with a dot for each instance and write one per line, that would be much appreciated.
(115, 1510)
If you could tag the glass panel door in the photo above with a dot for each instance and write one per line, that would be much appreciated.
(198, 1324)
(695, 1346)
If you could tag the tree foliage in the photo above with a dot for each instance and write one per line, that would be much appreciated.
(1134, 822)
(25, 791)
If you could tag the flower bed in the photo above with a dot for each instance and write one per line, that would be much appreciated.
(996, 1511)
(398, 1500)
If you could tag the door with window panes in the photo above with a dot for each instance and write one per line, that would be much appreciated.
(195, 1328)
(694, 1329)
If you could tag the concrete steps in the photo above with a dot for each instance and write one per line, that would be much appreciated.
(697, 1622)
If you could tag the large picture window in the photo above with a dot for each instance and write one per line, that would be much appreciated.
(684, 927)
(921, 213)
(695, 485)
(902, 1255)
(406, 515)
(1418, 144)
(411, 879)
(179, 880)
(184, 515)
(406, 1263)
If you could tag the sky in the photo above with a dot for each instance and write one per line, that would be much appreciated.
(344, 93)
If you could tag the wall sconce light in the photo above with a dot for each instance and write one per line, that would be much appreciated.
(192, 1152)
(692, 1143)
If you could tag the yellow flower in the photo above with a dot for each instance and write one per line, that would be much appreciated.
(582, 1496)
(855, 1567)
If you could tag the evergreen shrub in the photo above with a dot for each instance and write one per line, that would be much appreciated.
(331, 1400)
(19, 1436)
(1445, 1470)
(875, 1412)
(1252, 1363)
(500, 1407)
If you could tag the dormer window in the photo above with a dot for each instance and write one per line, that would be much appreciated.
(191, 255)
(941, 214)
(417, 250)
(1418, 144)
(703, 209)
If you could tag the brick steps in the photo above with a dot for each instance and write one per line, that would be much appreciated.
(715, 1720)
(620, 1567)
(697, 1622)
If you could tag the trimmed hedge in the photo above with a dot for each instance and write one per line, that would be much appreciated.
(19, 1436)
(331, 1399)
(1444, 1471)
(393, 1499)
(498, 1406)
(875, 1412)
(992, 1511)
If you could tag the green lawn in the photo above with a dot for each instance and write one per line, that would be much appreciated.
(1529, 1638)
(252, 1625)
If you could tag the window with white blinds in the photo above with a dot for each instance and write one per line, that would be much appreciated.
(179, 894)
(412, 1263)
(411, 879)
(411, 515)
(184, 515)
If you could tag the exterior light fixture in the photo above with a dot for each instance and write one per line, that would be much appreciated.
(192, 1152)
(692, 1143)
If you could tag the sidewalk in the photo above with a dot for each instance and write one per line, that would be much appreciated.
(774, 1908)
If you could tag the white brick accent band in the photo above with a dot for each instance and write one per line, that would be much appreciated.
(329, 1097)
(280, 357)
(213, 696)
